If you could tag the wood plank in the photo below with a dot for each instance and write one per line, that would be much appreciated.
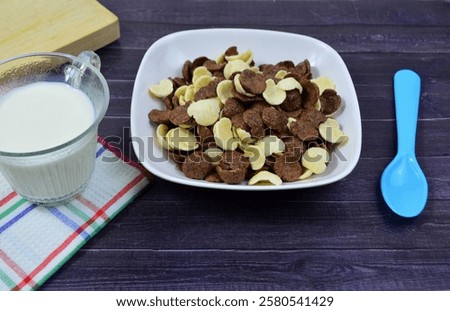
(380, 138)
(343, 38)
(160, 222)
(120, 101)
(379, 68)
(234, 270)
(120, 64)
(376, 101)
(63, 26)
(191, 12)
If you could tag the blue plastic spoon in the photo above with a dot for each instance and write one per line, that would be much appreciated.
(403, 184)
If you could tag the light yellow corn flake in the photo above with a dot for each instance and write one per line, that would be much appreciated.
(281, 74)
(244, 135)
(161, 133)
(272, 145)
(239, 88)
(181, 139)
(200, 72)
(234, 66)
(306, 174)
(215, 154)
(224, 90)
(206, 111)
(233, 129)
(163, 89)
(331, 132)
(223, 135)
(246, 56)
(315, 159)
(180, 91)
(265, 178)
(324, 83)
(245, 138)
(181, 100)
(201, 82)
(189, 94)
(290, 120)
(221, 58)
(256, 156)
(273, 94)
(255, 69)
(344, 140)
(187, 126)
(318, 105)
(289, 84)
(332, 123)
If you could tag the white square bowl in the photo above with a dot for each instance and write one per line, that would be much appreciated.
(166, 57)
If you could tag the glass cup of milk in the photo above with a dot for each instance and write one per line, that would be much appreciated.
(50, 107)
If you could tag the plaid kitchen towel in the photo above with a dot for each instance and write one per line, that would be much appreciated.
(36, 241)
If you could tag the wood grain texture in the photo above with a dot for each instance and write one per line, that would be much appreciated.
(48, 26)
(267, 270)
(345, 38)
(336, 237)
(259, 13)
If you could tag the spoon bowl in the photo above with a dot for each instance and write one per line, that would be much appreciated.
(403, 184)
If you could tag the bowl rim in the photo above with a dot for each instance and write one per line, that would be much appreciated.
(245, 187)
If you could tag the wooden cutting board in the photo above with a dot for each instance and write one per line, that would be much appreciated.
(69, 26)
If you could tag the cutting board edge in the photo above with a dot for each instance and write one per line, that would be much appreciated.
(94, 41)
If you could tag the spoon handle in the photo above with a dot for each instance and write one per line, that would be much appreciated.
(407, 94)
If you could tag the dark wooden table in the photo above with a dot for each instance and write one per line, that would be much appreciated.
(336, 237)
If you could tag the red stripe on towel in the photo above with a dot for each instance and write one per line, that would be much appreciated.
(8, 198)
(91, 206)
(72, 237)
(10, 263)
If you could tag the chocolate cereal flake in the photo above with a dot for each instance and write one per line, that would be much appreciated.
(186, 71)
(304, 131)
(313, 117)
(287, 167)
(207, 91)
(160, 117)
(232, 107)
(252, 82)
(232, 168)
(293, 101)
(274, 119)
(330, 101)
(196, 165)
(179, 116)
(310, 94)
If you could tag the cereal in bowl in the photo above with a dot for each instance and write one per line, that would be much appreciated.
(232, 121)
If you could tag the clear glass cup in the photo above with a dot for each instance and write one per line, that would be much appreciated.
(54, 176)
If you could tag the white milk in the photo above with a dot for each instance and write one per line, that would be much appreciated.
(40, 116)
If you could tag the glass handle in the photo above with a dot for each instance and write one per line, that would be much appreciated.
(73, 73)
(91, 58)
